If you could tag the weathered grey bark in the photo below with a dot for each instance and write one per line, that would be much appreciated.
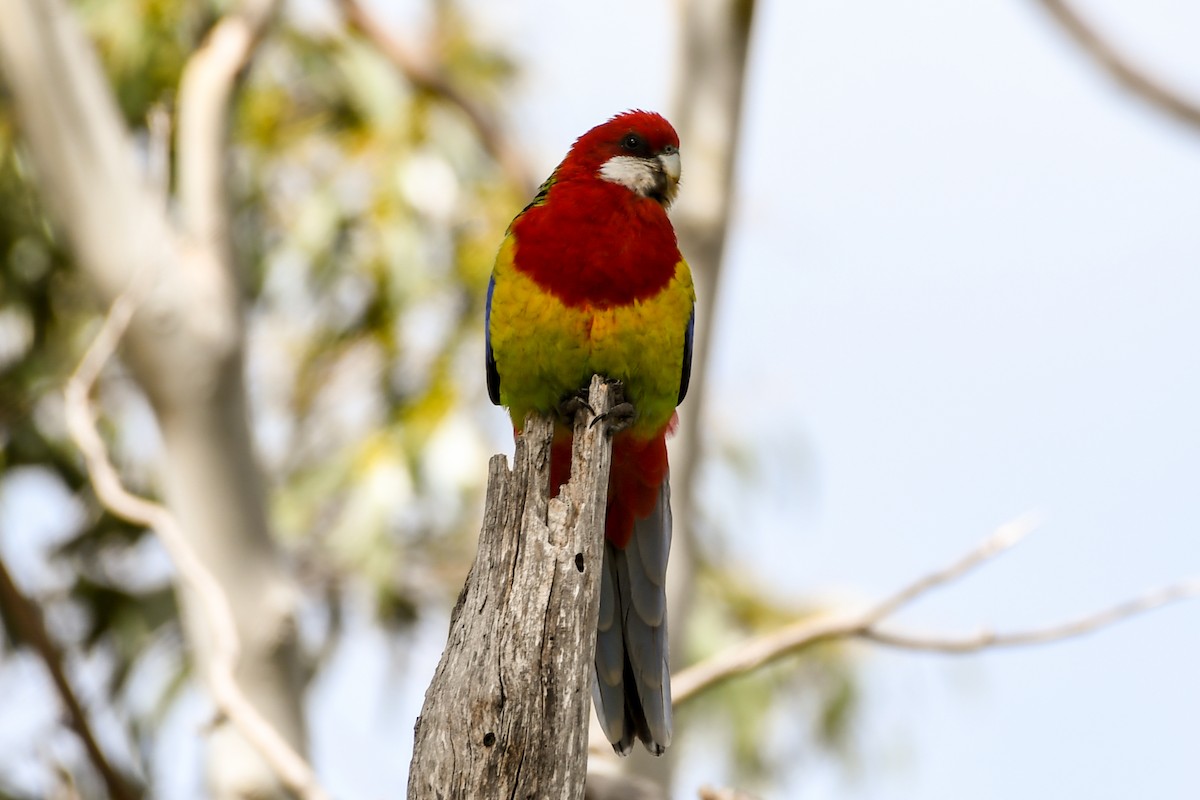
(185, 343)
(506, 714)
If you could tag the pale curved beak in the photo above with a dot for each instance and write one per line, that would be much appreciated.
(670, 165)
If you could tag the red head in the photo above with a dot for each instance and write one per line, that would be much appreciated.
(637, 149)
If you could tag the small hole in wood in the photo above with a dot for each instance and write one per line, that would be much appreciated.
(489, 739)
(579, 561)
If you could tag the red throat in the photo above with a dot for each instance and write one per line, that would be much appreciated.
(567, 245)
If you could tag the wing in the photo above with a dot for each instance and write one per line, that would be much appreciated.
(493, 376)
(686, 377)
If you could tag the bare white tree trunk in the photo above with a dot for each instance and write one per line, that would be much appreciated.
(506, 714)
(714, 41)
(714, 38)
(185, 343)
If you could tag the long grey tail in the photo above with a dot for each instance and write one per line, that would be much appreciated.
(631, 683)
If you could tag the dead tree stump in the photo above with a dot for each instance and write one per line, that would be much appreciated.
(507, 712)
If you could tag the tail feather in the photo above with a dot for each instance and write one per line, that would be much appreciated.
(631, 684)
(646, 555)
(654, 536)
(610, 643)
(611, 696)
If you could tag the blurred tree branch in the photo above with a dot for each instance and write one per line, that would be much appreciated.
(749, 656)
(989, 640)
(29, 627)
(291, 768)
(205, 94)
(185, 332)
(1120, 67)
(432, 78)
(710, 77)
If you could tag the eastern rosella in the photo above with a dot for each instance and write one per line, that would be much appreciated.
(589, 280)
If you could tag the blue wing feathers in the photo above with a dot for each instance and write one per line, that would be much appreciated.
(493, 376)
(686, 376)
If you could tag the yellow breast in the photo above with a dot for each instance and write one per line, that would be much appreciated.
(545, 350)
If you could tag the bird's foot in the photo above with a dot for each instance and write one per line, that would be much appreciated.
(622, 413)
(572, 404)
(617, 418)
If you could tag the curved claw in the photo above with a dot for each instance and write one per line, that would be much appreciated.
(617, 418)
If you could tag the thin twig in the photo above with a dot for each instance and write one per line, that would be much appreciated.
(1003, 539)
(29, 627)
(988, 640)
(293, 771)
(772, 646)
(121, 236)
(1117, 65)
(425, 77)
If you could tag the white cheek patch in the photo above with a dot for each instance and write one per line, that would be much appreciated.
(631, 172)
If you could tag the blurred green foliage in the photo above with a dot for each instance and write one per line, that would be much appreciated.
(365, 218)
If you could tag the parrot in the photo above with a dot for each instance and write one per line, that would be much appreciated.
(589, 280)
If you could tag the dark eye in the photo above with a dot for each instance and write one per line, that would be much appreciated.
(632, 142)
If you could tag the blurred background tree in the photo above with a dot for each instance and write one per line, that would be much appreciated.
(363, 213)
